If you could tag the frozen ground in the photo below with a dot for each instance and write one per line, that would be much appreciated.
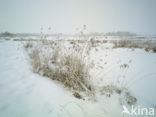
(25, 94)
(139, 76)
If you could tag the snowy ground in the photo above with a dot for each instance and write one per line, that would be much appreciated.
(25, 94)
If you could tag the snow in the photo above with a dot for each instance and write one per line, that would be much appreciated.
(26, 94)
(139, 76)
(22, 92)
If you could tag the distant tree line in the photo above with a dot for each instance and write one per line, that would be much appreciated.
(7, 34)
(120, 33)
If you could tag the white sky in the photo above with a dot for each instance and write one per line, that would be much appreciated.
(66, 15)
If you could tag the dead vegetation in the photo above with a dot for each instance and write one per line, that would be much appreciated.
(125, 95)
(69, 66)
(148, 45)
(108, 90)
(28, 44)
(124, 66)
(77, 95)
(130, 100)
(35, 60)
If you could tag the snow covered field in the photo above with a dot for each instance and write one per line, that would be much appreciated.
(26, 94)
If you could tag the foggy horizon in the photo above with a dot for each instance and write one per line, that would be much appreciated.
(68, 17)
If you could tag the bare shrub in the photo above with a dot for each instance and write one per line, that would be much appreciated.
(70, 69)
(108, 90)
(124, 66)
(121, 43)
(94, 43)
(77, 95)
(68, 66)
(7, 39)
(28, 44)
(146, 44)
(125, 95)
(131, 100)
(35, 60)
(105, 41)
(147, 49)
(154, 49)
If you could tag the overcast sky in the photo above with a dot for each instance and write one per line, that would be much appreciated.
(66, 15)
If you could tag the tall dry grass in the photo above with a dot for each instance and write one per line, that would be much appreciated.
(69, 66)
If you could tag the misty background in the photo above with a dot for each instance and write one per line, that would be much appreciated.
(68, 16)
